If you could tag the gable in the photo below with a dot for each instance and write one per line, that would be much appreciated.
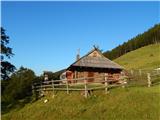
(95, 53)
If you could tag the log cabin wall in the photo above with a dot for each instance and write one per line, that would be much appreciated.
(75, 74)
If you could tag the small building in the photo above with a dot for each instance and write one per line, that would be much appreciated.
(93, 65)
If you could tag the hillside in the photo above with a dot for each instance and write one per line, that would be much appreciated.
(140, 103)
(151, 36)
(147, 57)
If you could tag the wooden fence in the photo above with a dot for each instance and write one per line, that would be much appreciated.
(143, 77)
(142, 72)
(79, 84)
(104, 83)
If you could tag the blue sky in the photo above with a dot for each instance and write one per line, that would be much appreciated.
(46, 35)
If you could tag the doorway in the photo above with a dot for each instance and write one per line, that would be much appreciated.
(90, 74)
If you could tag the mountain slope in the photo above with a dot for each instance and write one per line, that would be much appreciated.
(147, 57)
(151, 36)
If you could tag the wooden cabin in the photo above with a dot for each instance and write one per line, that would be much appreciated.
(93, 65)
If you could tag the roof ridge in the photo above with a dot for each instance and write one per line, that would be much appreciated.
(100, 61)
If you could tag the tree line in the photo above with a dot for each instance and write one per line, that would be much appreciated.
(151, 36)
(16, 84)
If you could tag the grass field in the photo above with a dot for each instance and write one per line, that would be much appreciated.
(147, 57)
(133, 103)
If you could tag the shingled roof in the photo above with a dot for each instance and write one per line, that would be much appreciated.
(95, 62)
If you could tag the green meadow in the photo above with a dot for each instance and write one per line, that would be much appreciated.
(147, 57)
(133, 103)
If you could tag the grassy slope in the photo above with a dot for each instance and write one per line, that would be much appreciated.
(138, 103)
(147, 57)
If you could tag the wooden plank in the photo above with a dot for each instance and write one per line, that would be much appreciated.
(106, 84)
(53, 88)
(67, 87)
(63, 89)
(97, 88)
(149, 79)
(85, 87)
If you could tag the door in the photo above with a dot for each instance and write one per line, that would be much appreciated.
(69, 76)
(90, 75)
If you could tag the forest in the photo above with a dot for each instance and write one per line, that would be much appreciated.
(151, 36)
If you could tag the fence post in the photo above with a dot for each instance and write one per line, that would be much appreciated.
(85, 87)
(124, 78)
(67, 86)
(41, 87)
(42, 93)
(34, 92)
(106, 83)
(140, 72)
(149, 79)
(157, 71)
(131, 72)
(53, 88)
(32, 88)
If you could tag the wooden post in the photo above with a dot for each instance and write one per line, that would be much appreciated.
(157, 71)
(53, 88)
(124, 82)
(45, 77)
(75, 75)
(85, 87)
(131, 72)
(140, 72)
(34, 92)
(67, 86)
(32, 89)
(149, 79)
(42, 93)
(41, 88)
(106, 83)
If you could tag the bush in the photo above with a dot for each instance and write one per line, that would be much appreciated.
(20, 85)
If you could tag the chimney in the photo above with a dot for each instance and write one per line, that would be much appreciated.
(78, 55)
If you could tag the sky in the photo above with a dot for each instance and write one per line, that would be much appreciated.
(45, 36)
